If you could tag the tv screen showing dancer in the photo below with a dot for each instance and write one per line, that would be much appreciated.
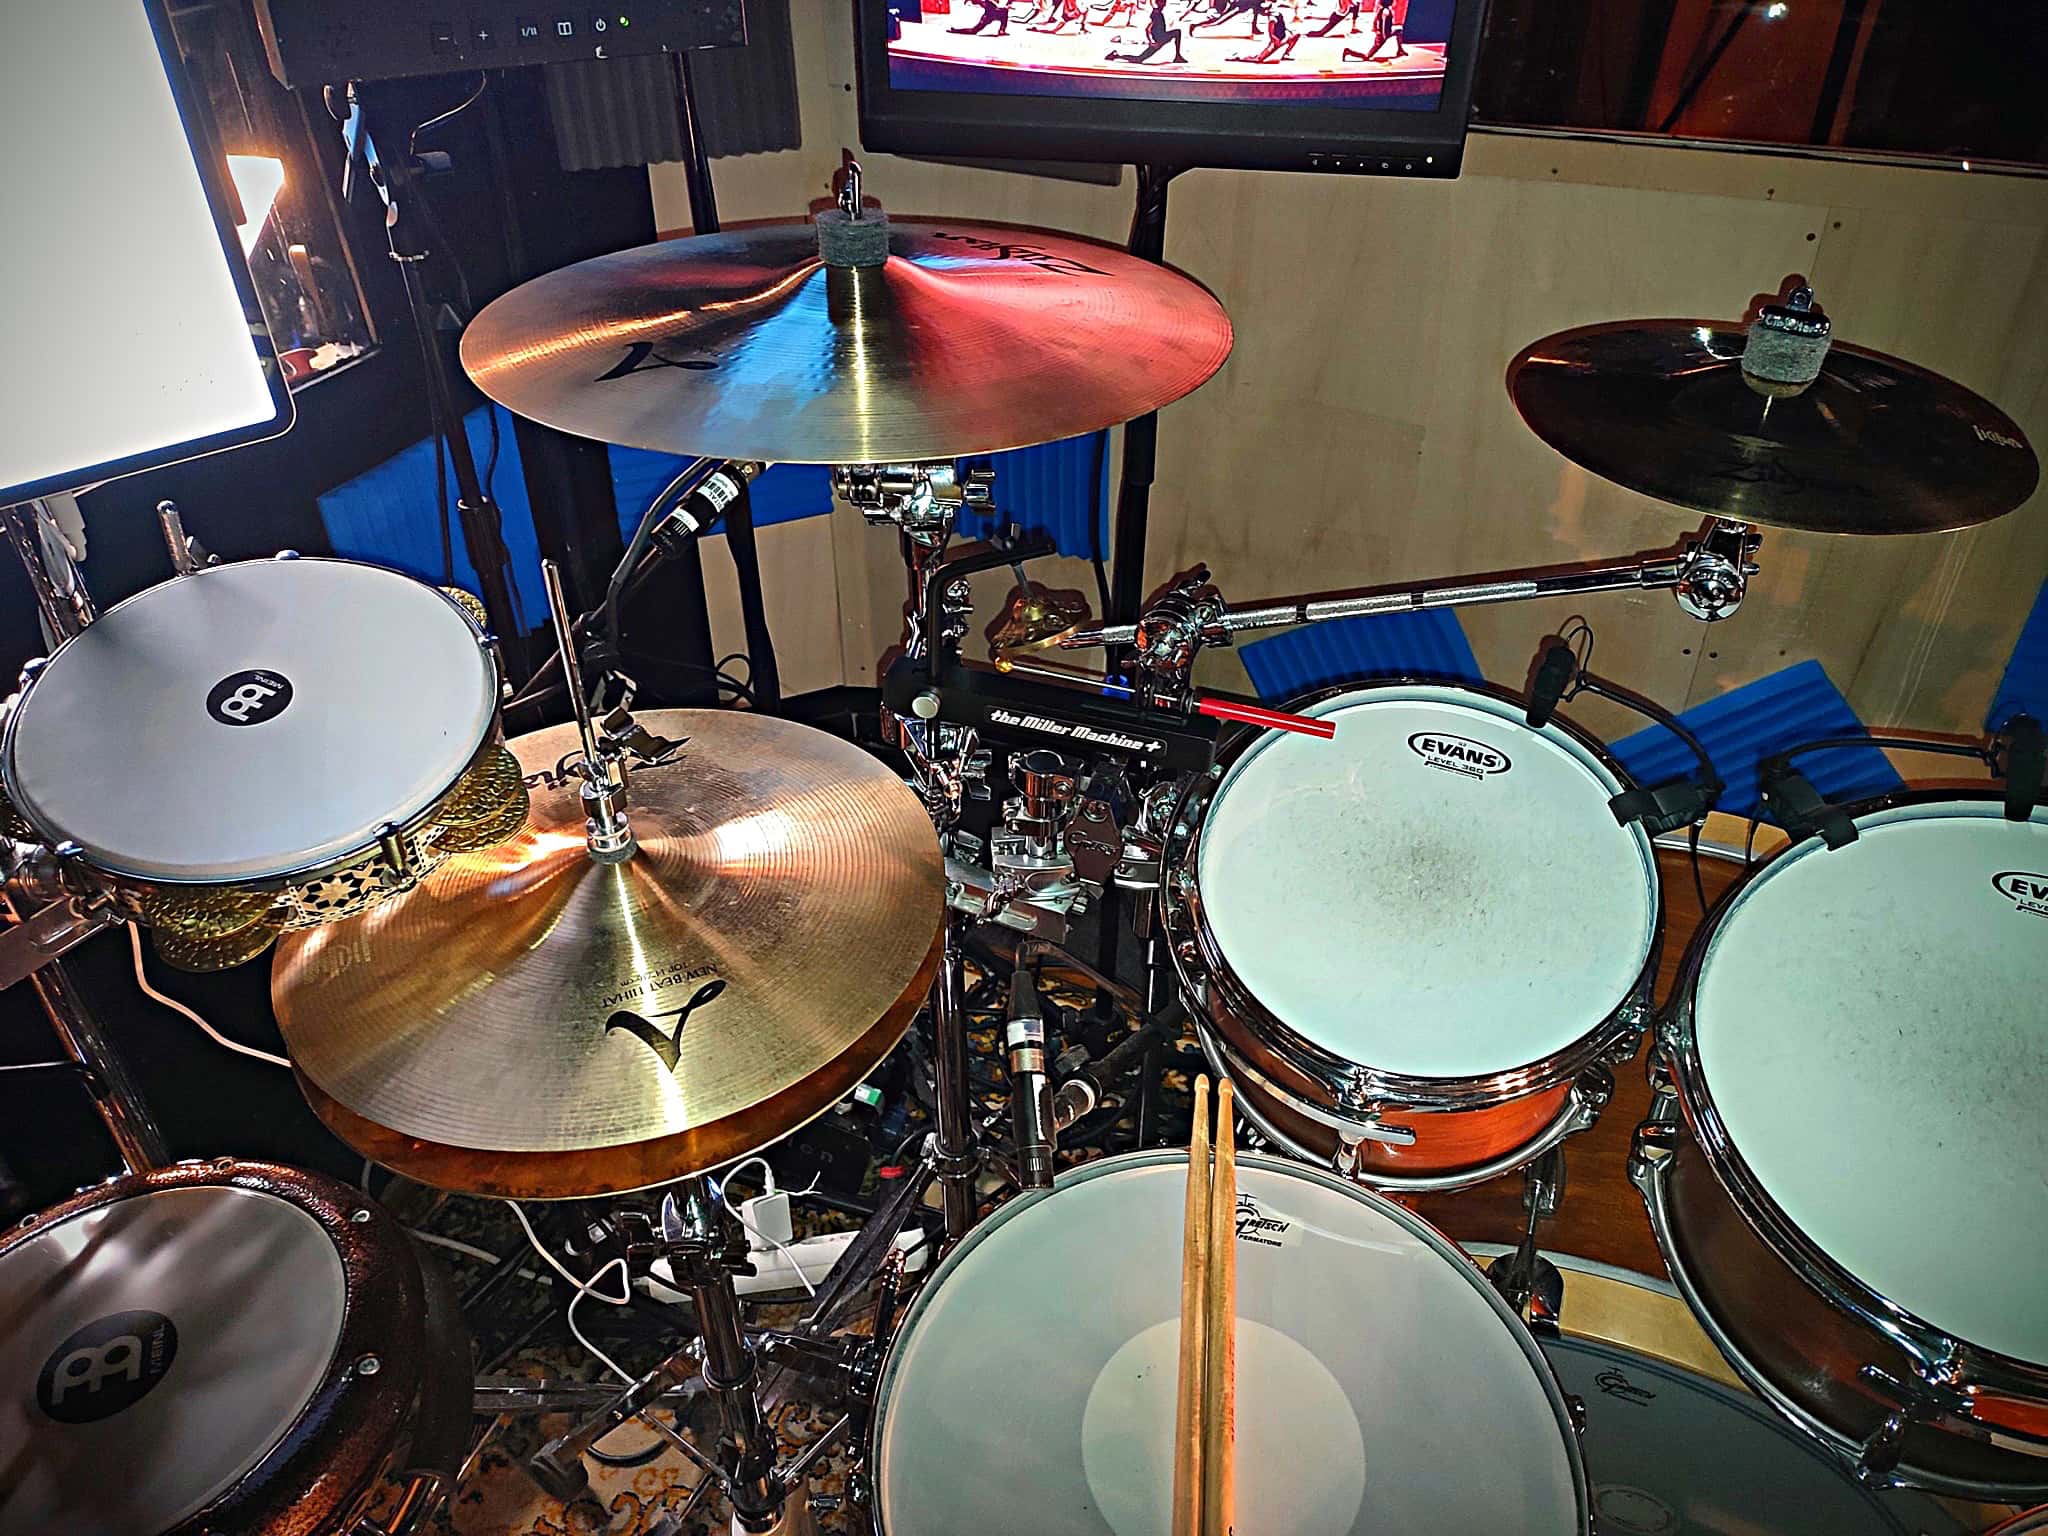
(1385, 54)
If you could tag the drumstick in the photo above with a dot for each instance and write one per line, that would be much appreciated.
(1219, 1379)
(1189, 1410)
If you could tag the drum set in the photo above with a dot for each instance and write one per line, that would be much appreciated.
(1415, 923)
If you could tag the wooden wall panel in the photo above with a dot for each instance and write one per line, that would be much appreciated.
(1360, 432)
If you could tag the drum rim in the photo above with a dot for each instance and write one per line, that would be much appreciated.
(292, 873)
(1953, 1364)
(1205, 974)
(321, 1460)
(1103, 1167)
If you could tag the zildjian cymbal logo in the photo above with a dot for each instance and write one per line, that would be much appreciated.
(667, 1044)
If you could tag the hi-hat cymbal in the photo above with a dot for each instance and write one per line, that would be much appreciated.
(1874, 445)
(529, 1022)
(969, 339)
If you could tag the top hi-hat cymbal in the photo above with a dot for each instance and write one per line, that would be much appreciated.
(1874, 445)
(969, 339)
(532, 1023)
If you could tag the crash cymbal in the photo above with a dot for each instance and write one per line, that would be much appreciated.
(1874, 445)
(529, 1022)
(969, 339)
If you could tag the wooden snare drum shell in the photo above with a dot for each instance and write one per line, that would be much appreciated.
(1810, 1351)
(331, 1456)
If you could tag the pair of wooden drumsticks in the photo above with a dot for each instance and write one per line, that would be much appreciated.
(1205, 1408)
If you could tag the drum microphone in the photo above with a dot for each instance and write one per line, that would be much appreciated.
(1030, 1087)
(697, 513)
(1553, 675)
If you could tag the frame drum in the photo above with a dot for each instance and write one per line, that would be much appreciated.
(1426, 936)
(1381, 1384)
(1844, 1171)
(228, 1348)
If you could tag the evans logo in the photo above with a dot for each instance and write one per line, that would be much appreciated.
(2028, 892)
(1459, 754)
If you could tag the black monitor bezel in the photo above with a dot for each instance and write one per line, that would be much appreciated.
(1179, 134)
(213, 177)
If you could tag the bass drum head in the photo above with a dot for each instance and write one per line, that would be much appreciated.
(156, 1348)
(1439, 891)
(1870, 1029)
(1381, 1385)
(1674, 1452)
(250, 720)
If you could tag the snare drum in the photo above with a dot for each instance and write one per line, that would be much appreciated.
(1845, 1165)
(1414, 947)
(223, 1347)
(1381, 1384)
(263, 745)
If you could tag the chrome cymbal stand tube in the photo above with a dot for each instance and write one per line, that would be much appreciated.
(67, 608)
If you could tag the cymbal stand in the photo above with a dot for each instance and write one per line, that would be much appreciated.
(705, 1247)
(38, 935)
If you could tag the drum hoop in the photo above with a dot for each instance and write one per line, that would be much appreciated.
(323, 1456)
(1207, 977)
(278, 879)
(1950, 1366)
(1107, 1166)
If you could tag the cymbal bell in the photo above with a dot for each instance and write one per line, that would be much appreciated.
(1874, 445)
(968, 339)
(528, 1022)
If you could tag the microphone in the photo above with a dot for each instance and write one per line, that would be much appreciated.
(698, 512)
(1030, 1087)
(1553, 675)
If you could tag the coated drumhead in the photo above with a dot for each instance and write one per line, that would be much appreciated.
(1440, 891)
(1671, 1451)
(1871, 1029)
(1381, 1386)
(250, 720)
(155, 1349)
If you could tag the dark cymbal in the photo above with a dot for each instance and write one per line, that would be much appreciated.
(1874, 445)
(529, 1022)
(969, 339)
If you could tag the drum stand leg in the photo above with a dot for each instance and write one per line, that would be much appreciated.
(953, 1153)
(1526, 1280)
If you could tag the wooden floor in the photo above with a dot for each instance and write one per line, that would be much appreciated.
(1601, 1216)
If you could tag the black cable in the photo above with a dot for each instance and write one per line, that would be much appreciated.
(1099, 495)
(412, 142)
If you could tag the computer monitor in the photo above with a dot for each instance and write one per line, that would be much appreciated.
(1379, 87)
(130, 334)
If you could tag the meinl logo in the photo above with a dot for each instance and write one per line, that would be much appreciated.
(1459, 754)
(2027, 892)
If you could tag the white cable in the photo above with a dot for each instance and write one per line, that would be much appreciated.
(583, 1288)
(718, 1188)
(142, 981)
(468, 1250)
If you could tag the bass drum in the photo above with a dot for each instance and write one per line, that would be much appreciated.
(1381, 1384)
(1676, 1447)
(220, 1349)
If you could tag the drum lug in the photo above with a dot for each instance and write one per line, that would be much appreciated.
(396, 851)
(1878, 1457)
(1575, 1409)
(1355, 1098)
(1655, 1140)
(30, 670)
(1590, 1094)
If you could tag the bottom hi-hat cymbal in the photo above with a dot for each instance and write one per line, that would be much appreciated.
(1873, 445)
(530, 1022)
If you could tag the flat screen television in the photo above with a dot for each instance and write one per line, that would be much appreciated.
(130, 333)
(1379, 87)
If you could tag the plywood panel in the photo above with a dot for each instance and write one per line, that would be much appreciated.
(1360, 432)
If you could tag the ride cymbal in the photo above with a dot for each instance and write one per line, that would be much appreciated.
(969, 339)
(528, 1022)
(1874, 445)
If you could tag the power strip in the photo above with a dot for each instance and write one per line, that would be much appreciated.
(774, 1272)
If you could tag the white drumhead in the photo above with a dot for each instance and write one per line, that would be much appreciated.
(1872, 1027)
(1439, 891)
(155, 1349)
(1381, 1385)
(251, 720)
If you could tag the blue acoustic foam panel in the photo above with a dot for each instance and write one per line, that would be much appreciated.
(782, 493)
(1057, 488)
(1429, 644)
(2024, 689)
(1747, 724)
(387, 515)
